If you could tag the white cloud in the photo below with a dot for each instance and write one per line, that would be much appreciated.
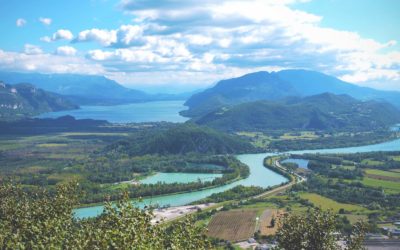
(45, 20)
(30, 49)
(250, 34)
(66, 51)
(61, 34)
(20, 22)
(124, 36)
(47, 63)
(193, 42)
(104, 37)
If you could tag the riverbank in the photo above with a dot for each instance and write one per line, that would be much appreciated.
(259, 176)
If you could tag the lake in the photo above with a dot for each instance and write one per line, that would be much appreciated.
(259, 176)
(167, 111)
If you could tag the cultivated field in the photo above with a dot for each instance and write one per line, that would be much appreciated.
(383, 175)
(235, 225)
(326, 203)
(388, 186)
(266, 227)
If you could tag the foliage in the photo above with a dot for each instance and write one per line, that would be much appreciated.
(323, 112)
(314, 230)
(182, 139)
(47, 222)
(24, 100)
(237, 193)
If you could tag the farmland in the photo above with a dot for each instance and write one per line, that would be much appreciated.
(234, 225)
(267, 227)
(326, 203)
(388, 186)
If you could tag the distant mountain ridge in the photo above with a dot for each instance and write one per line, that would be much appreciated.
(277, 85)
(319, 112)
(25, 100)
(85, 89)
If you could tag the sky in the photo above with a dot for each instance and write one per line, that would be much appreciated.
(188, 44)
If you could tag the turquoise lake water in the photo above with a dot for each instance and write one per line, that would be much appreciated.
(300, 162)
(259, 176)
(167, 111)
(169, 178)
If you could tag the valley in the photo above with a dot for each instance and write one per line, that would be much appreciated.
(232, 159)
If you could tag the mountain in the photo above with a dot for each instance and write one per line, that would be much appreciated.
(182, 139)
(25, 100)
(85, 89)
(277, 85)
(319, 112)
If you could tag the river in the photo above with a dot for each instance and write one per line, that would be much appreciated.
(259, 176)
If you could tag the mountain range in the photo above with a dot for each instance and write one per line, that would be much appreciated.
(277, 85)
(318, 112)
(86, 89)
(25, 100)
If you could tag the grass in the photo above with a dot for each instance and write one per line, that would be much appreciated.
(64, 177)
(32, 170)
(353, 218)
(52, 145)
(389, 186)
(396, 158)
(370, 162)
(348, 167)
(305, 135)
(326, 203)
(382, 173)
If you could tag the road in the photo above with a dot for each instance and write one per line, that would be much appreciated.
(298, 179)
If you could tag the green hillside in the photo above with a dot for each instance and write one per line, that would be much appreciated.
(320, 112)
(182, 139)
(275, 86)
(24, 100)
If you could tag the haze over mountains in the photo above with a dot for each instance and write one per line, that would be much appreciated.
(86, 89)
(278, 85)
(25, 100)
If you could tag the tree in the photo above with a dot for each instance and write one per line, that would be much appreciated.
(46, 221)
(314, 230)
(273, 221)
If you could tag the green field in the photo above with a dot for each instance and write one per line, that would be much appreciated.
(389, 186)
(372, 162)
(382, 173)
(305, 135)
(326, 203)
(396, 158)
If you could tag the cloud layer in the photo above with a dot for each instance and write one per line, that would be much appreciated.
(192, 42)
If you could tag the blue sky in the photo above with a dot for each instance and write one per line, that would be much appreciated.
(191, 44)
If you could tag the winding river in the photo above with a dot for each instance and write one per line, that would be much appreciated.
(259, 176)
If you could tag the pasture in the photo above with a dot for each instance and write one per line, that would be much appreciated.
(388, 186)
(326, 203)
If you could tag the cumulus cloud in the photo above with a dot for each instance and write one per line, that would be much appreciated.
(61, 34)
(249, 34)
(66, 51)
(30, 49)
(104, 37)
(45, 20)
(47, 63)
(124, 36)
(20, 22)
(172, 41)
